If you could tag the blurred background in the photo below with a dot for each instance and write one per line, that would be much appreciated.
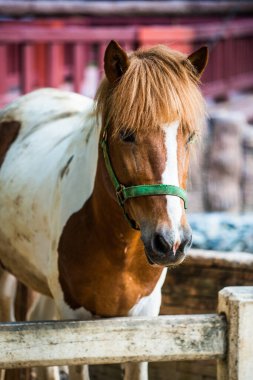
(61, 44)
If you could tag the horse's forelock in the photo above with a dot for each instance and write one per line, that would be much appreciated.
(160, 86)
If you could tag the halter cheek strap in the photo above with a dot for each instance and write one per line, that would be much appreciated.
(123, 193)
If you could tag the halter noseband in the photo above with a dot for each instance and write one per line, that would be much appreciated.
(124, 193)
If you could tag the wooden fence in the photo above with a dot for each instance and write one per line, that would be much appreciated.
(46, 56)
(51, 53)
(230, 66)
(226, 337)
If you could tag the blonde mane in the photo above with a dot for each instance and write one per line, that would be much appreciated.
(159, 86)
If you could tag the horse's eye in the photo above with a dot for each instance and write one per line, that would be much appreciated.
(191, 138)
(127, 136)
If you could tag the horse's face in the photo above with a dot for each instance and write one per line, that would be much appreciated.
(159, 156)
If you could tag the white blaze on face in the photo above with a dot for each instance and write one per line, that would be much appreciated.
(170, 175)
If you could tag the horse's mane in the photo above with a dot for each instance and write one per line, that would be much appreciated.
(159, 86)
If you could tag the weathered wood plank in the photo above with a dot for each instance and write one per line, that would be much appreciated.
(115, 340)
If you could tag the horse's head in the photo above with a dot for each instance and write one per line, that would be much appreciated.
(151, 110)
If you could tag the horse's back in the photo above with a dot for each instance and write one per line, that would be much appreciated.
(47, 173)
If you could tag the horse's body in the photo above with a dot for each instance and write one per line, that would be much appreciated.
(36, 200)
(61, 231)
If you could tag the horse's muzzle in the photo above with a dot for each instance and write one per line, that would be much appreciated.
(162, 249)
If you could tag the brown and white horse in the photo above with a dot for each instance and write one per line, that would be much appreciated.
(62, 231)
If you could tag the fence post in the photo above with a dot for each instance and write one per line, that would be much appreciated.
(27, 68)
(78, 66)
(55, 63)
(3, 73)
(237, 304)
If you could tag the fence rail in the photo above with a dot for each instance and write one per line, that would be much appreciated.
(165, 338)
(34, 56)
(119, 340)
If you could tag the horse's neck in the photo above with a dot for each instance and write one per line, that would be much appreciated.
(102, 264)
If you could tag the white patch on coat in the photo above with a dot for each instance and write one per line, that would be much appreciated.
(150, 306)
(170, 175)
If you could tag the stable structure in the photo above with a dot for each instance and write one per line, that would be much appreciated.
(59, 52)
(226, 336)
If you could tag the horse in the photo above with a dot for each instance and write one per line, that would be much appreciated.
(93, 192)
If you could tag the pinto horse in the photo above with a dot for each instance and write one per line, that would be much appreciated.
(92, 193)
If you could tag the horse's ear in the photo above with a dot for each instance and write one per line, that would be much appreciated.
(115, 61)
(199, 59)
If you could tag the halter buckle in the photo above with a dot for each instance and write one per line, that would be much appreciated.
(120, 195)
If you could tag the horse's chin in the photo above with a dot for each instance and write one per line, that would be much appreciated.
(169, 261)
(149, 260)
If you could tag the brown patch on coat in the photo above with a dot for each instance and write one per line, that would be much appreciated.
(102, 263)
(8, 134)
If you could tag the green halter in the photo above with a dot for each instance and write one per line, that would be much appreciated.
(123, 193)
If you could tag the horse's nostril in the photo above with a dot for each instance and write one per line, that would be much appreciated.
(186, 243)
(160, 244)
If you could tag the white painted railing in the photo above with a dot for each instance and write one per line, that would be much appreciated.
(227, 337)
